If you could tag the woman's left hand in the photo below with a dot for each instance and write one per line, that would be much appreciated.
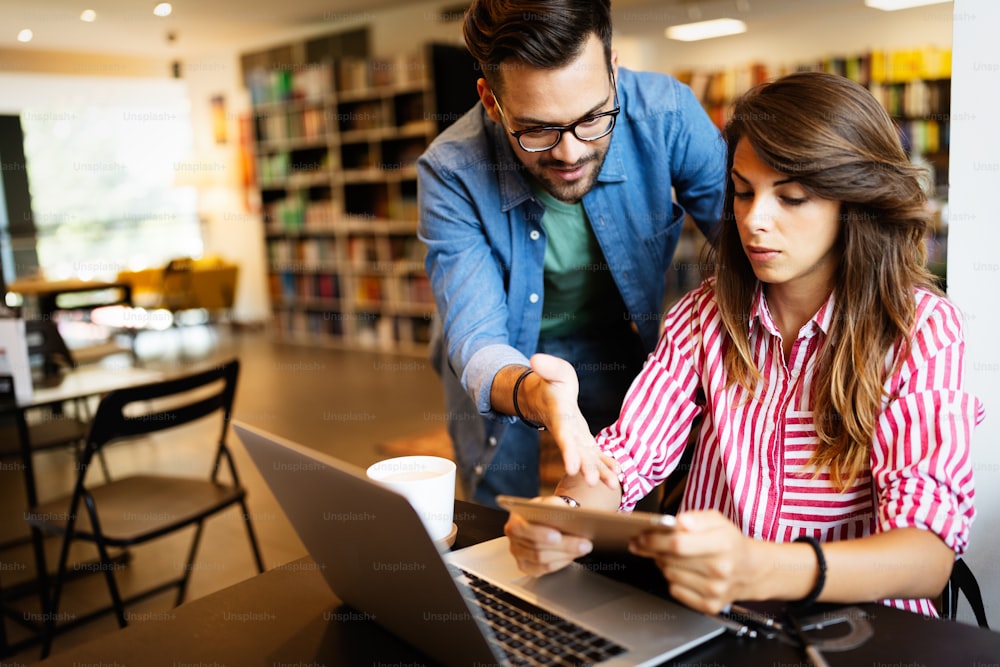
(706, 560)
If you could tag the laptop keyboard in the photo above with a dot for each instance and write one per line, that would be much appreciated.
(530, 635)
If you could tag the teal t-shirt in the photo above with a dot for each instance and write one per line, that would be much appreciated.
(579, 289)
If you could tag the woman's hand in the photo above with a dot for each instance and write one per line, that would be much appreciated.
(569, 429)
(706, 560)
(540, 549)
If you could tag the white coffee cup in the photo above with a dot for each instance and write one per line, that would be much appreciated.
(428, 482)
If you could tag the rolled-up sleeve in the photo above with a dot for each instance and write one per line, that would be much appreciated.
(921, 459)
(468, 285)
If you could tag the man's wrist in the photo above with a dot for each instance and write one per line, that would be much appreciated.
(517, 408)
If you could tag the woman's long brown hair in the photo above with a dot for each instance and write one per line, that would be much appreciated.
(834, 138)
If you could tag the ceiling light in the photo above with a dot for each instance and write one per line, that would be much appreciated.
(163, 9)
(25, 35)
(893, 5)
(88, 15)
(691, 32)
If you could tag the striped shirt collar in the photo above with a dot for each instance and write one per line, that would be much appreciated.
(760, 312)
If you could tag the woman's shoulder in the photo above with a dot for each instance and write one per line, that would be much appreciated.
(696, 307)
(701, 298)
(933, 309)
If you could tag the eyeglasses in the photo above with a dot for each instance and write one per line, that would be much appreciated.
(547, 137)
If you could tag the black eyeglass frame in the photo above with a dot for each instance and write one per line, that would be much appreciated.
(563, 129)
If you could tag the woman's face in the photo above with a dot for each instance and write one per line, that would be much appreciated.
(788, 233)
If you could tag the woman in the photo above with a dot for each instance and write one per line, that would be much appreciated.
(833, 460)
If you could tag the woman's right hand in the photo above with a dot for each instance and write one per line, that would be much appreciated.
(541, 549)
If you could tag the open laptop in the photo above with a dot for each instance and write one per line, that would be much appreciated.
(466, 607)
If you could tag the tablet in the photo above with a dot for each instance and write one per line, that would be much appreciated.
(608, 530)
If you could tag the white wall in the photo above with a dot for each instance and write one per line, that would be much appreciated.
(974, 263)
(232, 228)
(392, 31)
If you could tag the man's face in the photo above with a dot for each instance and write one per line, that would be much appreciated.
(536, 97)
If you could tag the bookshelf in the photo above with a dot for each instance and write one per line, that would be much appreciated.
(336, 137)
(913, 85)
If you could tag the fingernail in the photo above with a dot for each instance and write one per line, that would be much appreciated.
(552, 536)
(586, 547)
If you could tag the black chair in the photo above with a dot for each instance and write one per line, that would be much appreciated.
(12, 424)
(142, 507)
(49, 426)
(962, 581)
(50, 358)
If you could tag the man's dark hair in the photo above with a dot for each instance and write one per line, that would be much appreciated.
(545, 34)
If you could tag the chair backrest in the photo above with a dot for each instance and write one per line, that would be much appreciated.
(128, 412)
(175, 292)
(47, 349)
(13, 429)
(8, 401)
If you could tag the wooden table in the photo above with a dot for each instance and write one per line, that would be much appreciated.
(49, 293)
(288, 616)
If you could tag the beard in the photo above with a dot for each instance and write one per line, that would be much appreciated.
(569, 192)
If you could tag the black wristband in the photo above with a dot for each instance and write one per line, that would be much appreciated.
(517, 409)
(820, 578)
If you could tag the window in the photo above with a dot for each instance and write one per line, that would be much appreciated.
(102, 166)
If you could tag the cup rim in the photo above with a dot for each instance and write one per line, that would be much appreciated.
(443, 466)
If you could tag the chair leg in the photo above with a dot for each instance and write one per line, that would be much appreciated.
(41, 569)
(53, 606)
(182, 586)
(252, 536)
(106, 564)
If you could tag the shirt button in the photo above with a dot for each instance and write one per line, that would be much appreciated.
(533, 298)
(534, 235)
(492, 440)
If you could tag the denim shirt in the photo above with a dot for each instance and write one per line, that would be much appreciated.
(485, 244)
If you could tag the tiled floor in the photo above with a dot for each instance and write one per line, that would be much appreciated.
(343, 403)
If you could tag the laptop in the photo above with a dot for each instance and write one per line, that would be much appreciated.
(466, 607)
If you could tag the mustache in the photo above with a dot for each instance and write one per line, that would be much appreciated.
(559, 164)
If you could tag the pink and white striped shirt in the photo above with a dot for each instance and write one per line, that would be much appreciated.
(750, 460)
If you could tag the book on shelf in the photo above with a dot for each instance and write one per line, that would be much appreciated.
(353, 73)
(420, 290)
(327, 286)
(289, 82)
(903, 65)
(320, 214)
(368, 291)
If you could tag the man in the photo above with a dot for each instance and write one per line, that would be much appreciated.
(547, 214)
